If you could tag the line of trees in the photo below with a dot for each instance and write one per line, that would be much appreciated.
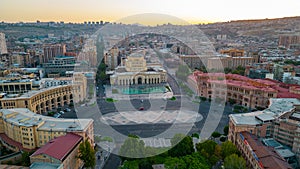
(181, 155)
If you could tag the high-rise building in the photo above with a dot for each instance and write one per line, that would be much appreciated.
(51, 51)
(290, 42)
(3, 48)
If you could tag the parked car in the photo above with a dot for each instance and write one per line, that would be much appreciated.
(57, 115)
(67, 109)
(61, 112)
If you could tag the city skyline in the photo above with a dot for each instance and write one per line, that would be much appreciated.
(191, 11)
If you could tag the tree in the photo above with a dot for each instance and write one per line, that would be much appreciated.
(87, 154)
(215, 134)
(210, 150)
(183, 72)
(234, 162)
(206, 148)
(25, 158)
(174, 162)
(181, 145)
(195, 161)
(226, 130)
(130, 165)
(228, 148)
(133, 147)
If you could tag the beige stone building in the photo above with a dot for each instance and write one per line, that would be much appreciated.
(44, 100)
(62, 151)
(136, 71)
(21, 129)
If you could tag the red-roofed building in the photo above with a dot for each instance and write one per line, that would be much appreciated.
(248, 92)
(257, 155)
(61, 150)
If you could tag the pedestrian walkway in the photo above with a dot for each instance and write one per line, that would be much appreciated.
(157, 142)
(152, 117)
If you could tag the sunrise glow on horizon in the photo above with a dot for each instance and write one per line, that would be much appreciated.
(192, 11)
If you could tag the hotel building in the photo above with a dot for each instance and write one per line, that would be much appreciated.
(22, 129)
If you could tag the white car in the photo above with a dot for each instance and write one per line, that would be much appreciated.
(62, 112)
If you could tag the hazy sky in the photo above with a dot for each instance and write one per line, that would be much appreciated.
(193, 11)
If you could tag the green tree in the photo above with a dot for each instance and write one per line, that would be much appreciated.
(87, 154)
(215, 134)
(181, 145)
(195, 161)
(26, 158)
(174, 162)
(206, 148)
(133, 147)
(210, 150)
(130, 165)
(183, 72)
(226, 130)
(234, 162)
(228, 148)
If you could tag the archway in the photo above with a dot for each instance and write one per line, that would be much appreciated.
(140, 80)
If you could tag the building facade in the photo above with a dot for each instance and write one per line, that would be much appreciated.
(60, 65)
(239, 89)
(136, 72)
(279, 121)
(289, 41)
(257, 155)
(62, 151)
(44, 100)
(17, 86)
(21, 60)
(21, 129)
(3, 47)
(51, 51)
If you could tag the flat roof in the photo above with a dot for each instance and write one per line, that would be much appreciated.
(39, 165)
(272, 143)
(277, 107)
(285, 153)
(25, 117)
(34, 92)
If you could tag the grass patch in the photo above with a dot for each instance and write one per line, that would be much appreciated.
(196, 101)
(173, 98)
(91, 89)
(106, 138)
(110, 100)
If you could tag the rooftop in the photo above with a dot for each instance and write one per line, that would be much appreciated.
(277, 107)
(59, 147)
(38, 165)
(24, 117)
(266, 156)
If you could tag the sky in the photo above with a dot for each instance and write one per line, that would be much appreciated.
(192, 11)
